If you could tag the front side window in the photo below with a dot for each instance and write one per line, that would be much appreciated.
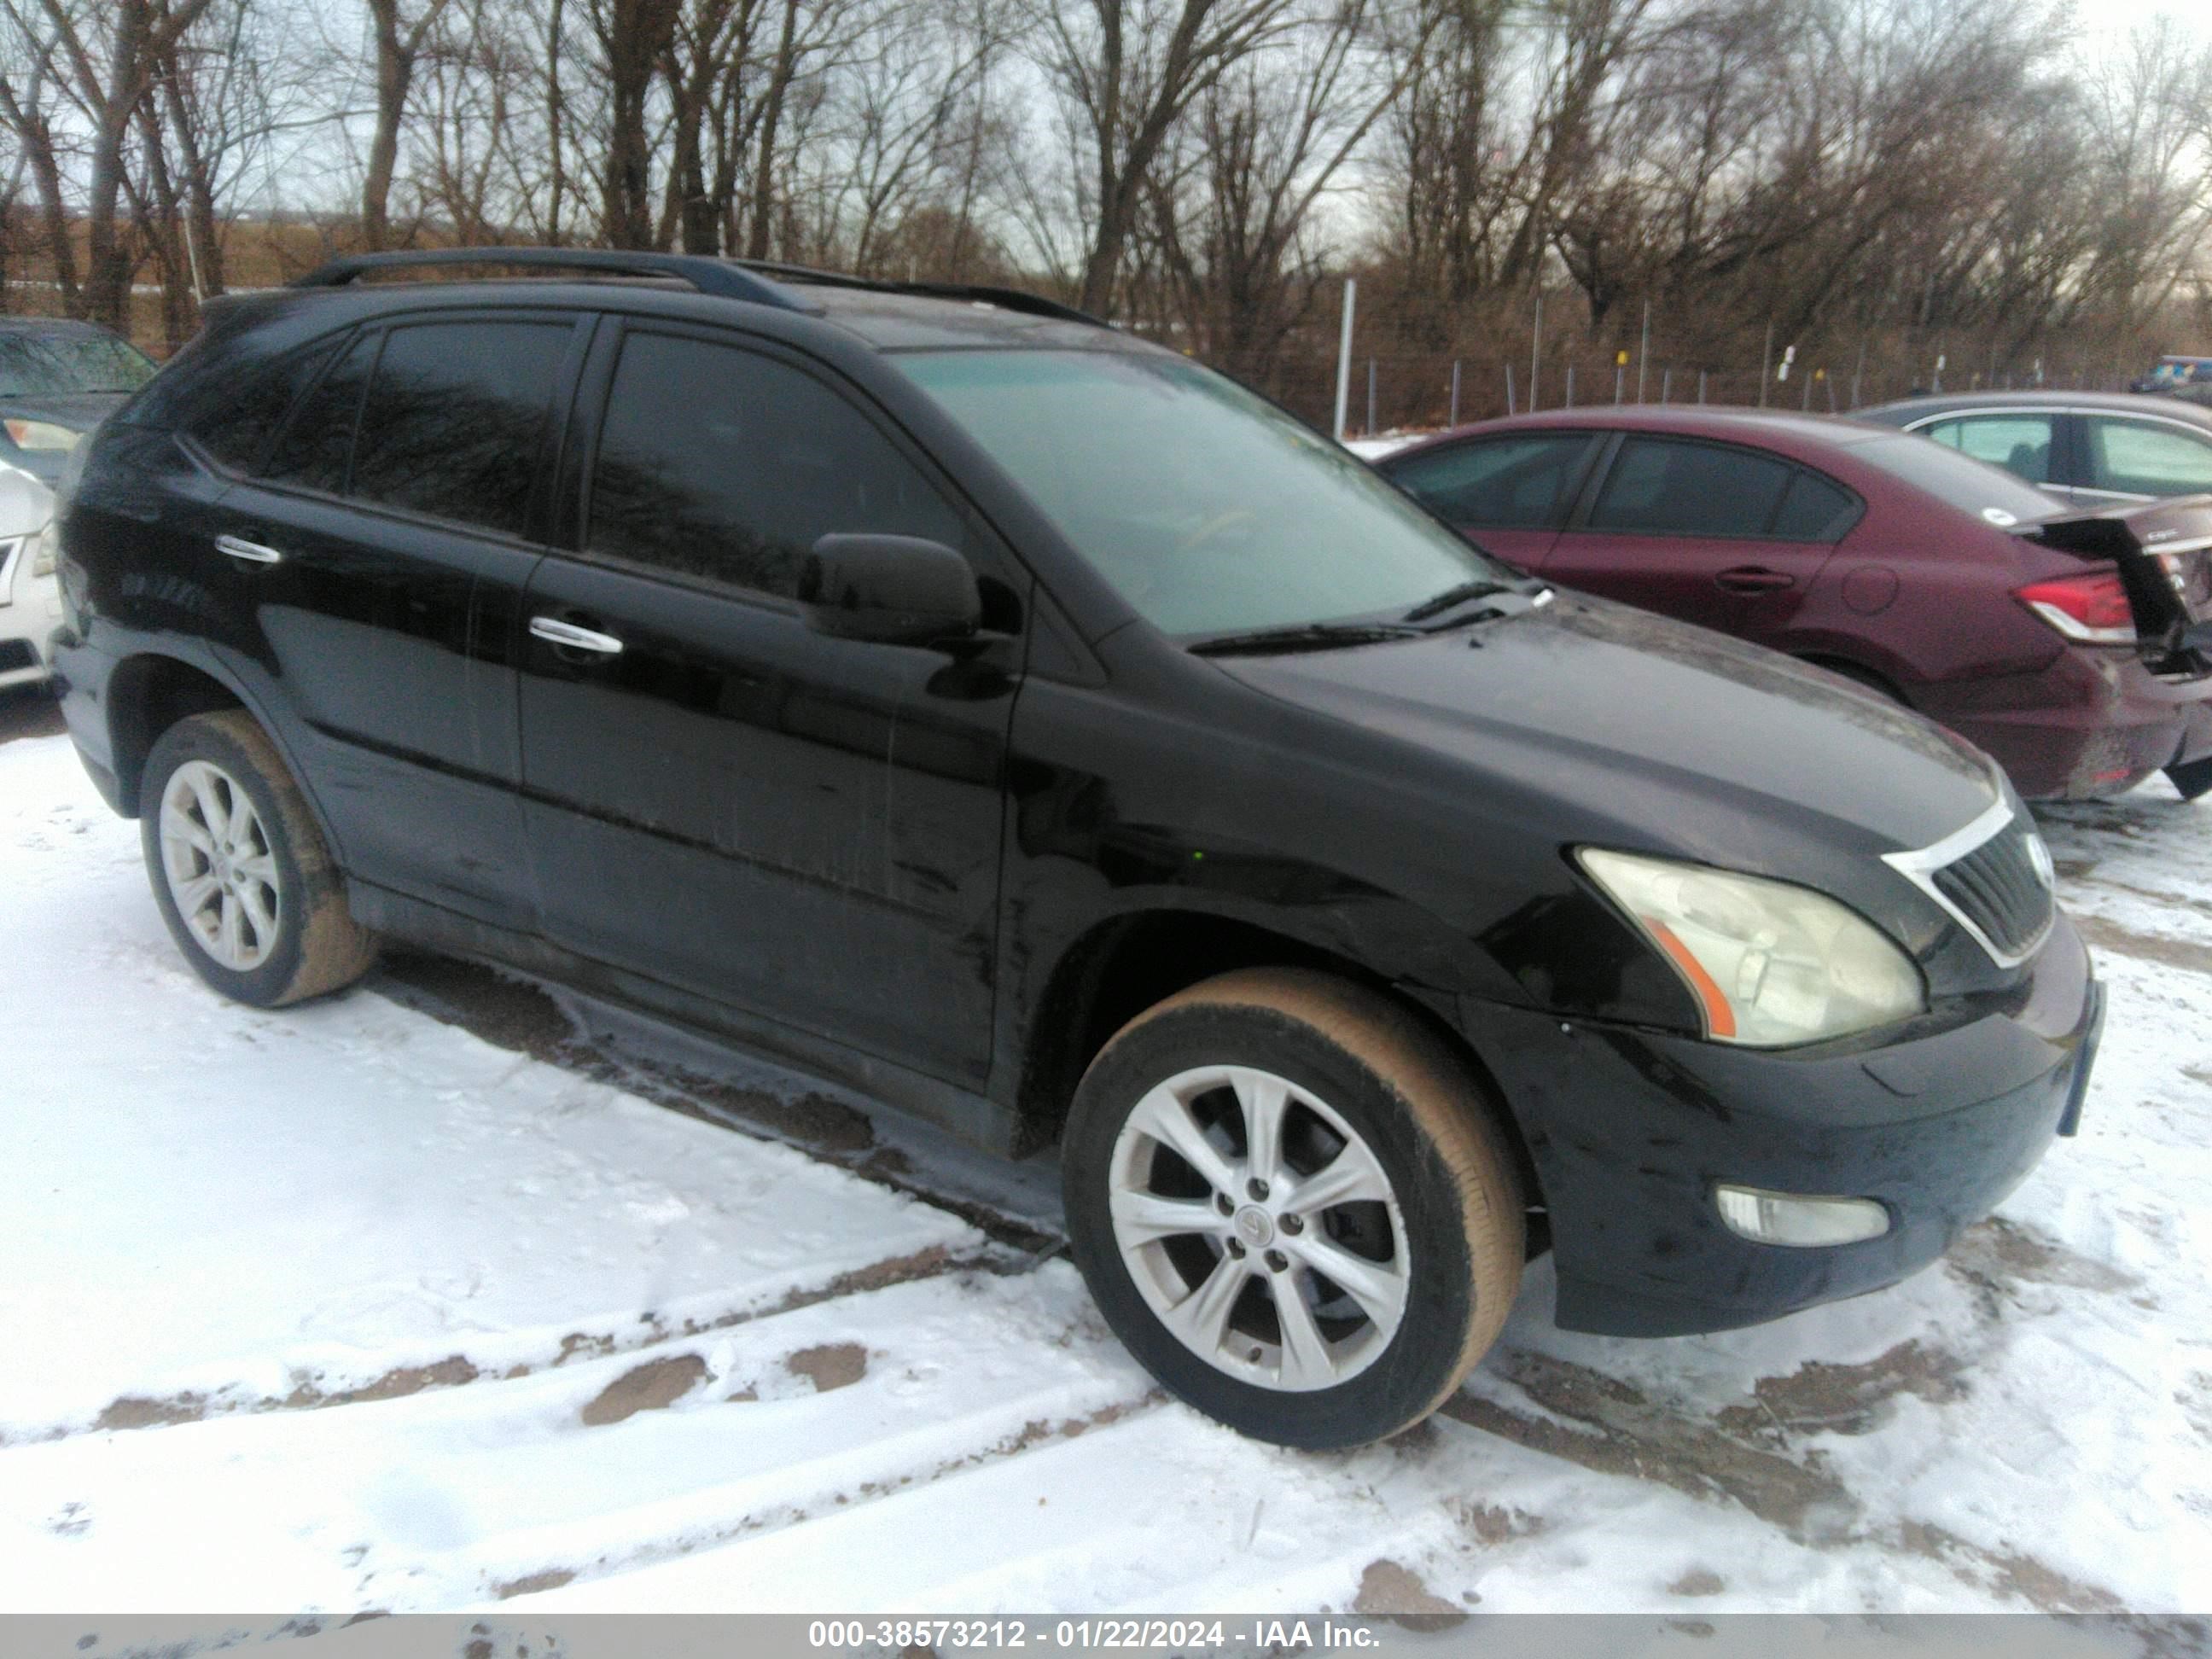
(454, 418)
(720, 463)
(2021, 444)
(1210, 511)
(1666, 486)
(2148, 458)
(1504, 484)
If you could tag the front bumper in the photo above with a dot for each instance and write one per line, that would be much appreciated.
(30, 611)
(1630, 1131)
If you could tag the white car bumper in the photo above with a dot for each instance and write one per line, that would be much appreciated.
(30, 611)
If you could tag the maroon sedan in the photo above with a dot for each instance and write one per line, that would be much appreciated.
(2077, 650)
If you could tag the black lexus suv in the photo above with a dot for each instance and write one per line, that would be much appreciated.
(1016, 721)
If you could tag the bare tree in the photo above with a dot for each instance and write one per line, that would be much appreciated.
(1126, 71)
(398, 40)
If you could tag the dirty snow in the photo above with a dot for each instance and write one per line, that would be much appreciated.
(347, 1308)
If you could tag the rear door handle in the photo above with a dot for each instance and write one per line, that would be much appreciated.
(1754, 579)
(554, 631)
(238, 547)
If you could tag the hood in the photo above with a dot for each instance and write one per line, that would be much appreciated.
(1650, 733)
(80, 411)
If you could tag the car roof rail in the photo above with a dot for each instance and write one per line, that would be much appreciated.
(723, 278)
(1007, 298)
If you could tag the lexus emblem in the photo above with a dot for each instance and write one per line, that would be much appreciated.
(2038, 859)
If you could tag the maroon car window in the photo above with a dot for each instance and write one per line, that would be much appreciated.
(2021, 444)
(1814, 510)
(1504, 484)
(1662, 487)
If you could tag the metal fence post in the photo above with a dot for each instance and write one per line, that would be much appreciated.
(1535, 352)
(1344, 355)
(1570, 385)
(1765, 364)
(1371, 397)
(1666, 383)
(1455, 402)
(1701, 385)
(1643, 352)
(1510, 407)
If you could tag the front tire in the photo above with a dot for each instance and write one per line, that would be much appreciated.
(1291, 1206)
(241, 873)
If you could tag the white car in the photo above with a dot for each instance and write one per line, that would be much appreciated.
(30, 598)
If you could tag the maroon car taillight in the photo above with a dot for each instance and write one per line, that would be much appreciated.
(2093, 609)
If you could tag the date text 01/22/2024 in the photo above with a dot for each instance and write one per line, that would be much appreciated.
(1147, 1635)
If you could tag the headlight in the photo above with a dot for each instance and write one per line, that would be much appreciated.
(1770, 963)
(40, 434)
(48, 547)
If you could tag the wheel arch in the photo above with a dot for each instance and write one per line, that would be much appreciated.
(150, 691)
(1124, 963)
(146, 695)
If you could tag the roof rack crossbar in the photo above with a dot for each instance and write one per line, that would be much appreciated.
(722, 277)
(1007, 298)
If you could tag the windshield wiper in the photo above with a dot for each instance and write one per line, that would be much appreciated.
(1305, 636)
(1452, 598)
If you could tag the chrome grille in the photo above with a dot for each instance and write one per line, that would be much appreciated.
(1997, 888)
(1994, 879)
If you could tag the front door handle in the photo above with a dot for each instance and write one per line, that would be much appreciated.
(1754, 579)
(238, 547)
(554, 631)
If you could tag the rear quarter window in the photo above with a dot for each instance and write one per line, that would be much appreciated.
(1671, 487)
(233, 418)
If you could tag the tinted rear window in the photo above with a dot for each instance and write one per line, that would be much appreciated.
(1814, 509)
(1666, 486)
(454, 418)
(317, 440)
(236, 427)
(1987, 492)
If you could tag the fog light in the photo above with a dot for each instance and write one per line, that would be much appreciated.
(1786, 1218)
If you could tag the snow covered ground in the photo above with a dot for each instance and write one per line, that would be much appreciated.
(443, 1293)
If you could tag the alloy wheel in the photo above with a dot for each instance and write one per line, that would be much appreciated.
(1260, 1228)
(221, 873)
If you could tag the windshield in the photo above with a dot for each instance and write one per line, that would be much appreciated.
(1209, 510)
(55, 365)
(1975, 487)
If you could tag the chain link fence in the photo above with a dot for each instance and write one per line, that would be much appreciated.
(1418, 391)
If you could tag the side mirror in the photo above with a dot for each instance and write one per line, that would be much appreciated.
(893, 590)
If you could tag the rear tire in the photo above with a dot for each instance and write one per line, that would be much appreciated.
(240, 871)
(2192, 778)
(1191, 1140)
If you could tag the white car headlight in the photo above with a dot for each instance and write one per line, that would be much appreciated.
(48, 547)
(1770, 963)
